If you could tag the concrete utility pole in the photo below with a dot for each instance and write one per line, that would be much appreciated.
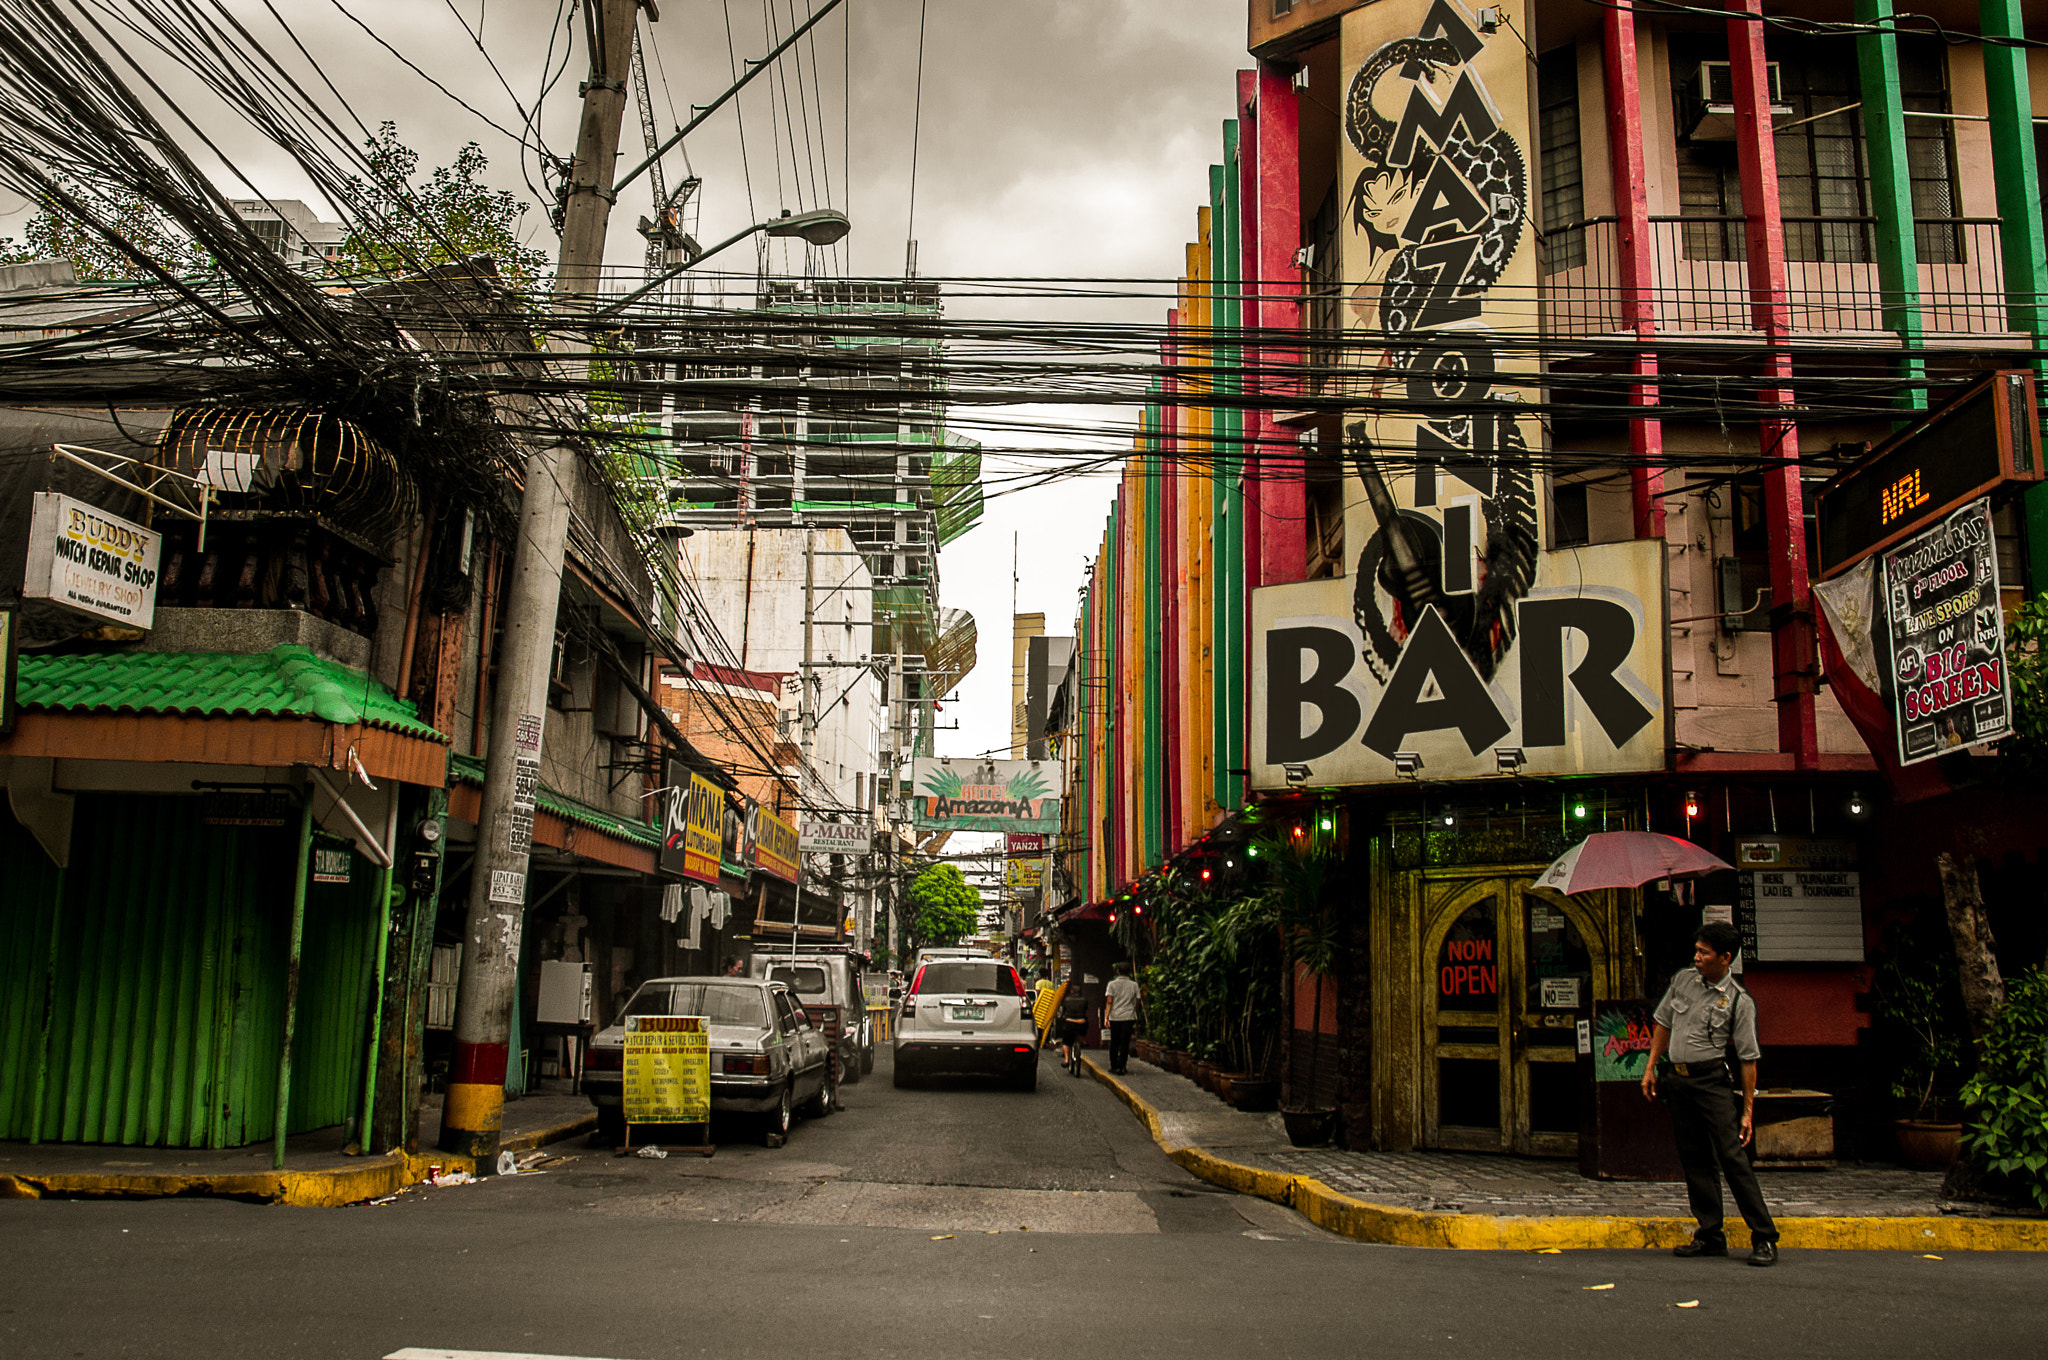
(807, 720)
(474, 1110)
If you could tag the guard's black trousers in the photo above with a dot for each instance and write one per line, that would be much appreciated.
(1120, 1032)
(1706, 1114)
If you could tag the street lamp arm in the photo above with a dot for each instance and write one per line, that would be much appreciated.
(818, 226)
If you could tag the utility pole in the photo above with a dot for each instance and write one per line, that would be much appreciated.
(473, 1114)
(807, 716)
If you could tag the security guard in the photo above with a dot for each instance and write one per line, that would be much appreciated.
(1703, 1013)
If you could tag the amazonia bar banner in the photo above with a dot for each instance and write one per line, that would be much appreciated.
(985, 795)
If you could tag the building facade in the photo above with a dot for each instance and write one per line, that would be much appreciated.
(1550, 322)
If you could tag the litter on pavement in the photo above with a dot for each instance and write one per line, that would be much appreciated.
(653, 1152)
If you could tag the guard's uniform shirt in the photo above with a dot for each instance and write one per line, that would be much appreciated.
(1706, 1017)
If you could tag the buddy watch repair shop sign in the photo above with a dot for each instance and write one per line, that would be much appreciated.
(83, 558)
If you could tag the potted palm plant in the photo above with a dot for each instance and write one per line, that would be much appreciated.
(1918, 1010)
(1299, 867)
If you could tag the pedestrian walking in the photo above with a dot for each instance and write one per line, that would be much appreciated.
(1073, 1022)
(1704, 1013)
(1124, 996)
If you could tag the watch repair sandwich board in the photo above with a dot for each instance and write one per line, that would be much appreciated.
(668, 1071)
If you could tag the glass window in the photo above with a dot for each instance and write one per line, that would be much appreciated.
(721, 1004)
(1564, 187)
(804, 980)
(962, 976)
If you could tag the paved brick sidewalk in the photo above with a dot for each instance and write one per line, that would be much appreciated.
(1478, 1183)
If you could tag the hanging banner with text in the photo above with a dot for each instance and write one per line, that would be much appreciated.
(1579, 692)
(985, 795)
(1950, 684)
(85, 559)
(816, 836)
(668, 1069)
(692, 824)
(775, 846)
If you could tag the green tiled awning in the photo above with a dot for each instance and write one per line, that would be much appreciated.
(287, 681)
(469, 770)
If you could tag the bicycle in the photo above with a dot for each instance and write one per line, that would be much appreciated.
(1071, 1057)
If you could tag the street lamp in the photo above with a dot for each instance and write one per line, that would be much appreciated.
(815, 226)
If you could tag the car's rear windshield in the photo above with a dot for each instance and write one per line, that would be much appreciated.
(720, 1003)
(958, 975)
(804, 981)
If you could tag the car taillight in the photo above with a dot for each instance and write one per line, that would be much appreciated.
(909, 1007)
(744, 1065)
(605, 1059)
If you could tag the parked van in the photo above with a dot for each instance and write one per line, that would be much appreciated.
(827, 978)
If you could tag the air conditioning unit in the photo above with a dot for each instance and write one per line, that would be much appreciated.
(1710, 101)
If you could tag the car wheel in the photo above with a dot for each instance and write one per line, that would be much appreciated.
(611, 1125)
(826, 1101)
(850, 1067)
(776, 1123)
(903, 1073)
(867, 1060)
(1027, 1077)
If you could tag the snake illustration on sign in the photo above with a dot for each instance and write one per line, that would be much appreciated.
(1438, 209)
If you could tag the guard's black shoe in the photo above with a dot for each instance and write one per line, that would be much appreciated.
(1764, 1254)
(1699, 1248)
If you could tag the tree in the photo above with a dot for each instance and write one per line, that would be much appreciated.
(943, 908)
(402, 225)
(54, 234)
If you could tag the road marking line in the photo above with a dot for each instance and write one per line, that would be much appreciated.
(433, 1353)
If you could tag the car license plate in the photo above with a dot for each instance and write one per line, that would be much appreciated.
(970, 1012)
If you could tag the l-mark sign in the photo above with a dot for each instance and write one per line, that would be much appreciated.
(1579, 688)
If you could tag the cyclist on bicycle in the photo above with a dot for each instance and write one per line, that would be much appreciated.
(1073, 1019)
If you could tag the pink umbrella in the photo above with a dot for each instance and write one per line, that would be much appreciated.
(1626, 859)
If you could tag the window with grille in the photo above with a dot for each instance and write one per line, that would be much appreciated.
(1564, 180)
(1823, 169)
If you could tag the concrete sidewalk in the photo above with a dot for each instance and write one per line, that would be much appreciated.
(1480, 1200)
(317, 1171)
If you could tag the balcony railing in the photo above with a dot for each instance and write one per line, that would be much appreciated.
(1701, 276)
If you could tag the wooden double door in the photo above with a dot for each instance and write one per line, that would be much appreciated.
(1507, 974)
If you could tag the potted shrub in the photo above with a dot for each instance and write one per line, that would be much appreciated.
(1917, 1007)
(2007, 1098)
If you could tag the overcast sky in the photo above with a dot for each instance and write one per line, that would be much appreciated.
(1057, 138)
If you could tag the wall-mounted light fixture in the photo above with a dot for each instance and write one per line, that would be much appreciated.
(1509, 759)
(1408, 764)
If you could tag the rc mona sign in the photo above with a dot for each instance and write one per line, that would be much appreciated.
(1579, 691)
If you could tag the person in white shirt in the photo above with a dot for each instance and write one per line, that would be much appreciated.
(1124, 996)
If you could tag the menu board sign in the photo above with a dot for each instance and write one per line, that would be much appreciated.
(1950, 686)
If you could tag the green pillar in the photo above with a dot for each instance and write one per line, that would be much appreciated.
(2026, 260)
(1891, 192)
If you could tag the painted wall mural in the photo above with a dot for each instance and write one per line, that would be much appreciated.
(1441, 251)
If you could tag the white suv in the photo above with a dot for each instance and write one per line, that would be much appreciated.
(966, 1015)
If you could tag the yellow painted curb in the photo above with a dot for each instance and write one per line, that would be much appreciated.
(325, 1189)
(1367, 1222)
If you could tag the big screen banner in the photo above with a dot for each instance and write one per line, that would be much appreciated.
(1950, 684)
(1448, 581)
(985, 795)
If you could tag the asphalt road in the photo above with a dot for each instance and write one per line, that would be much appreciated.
(958, 1221)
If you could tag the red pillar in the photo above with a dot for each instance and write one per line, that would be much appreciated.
(1283, 488)
(1254, 423)
(1636, 260)
(1793, 666)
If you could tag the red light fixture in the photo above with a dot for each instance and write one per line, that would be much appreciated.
(1205, 875)
(1692, 805)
